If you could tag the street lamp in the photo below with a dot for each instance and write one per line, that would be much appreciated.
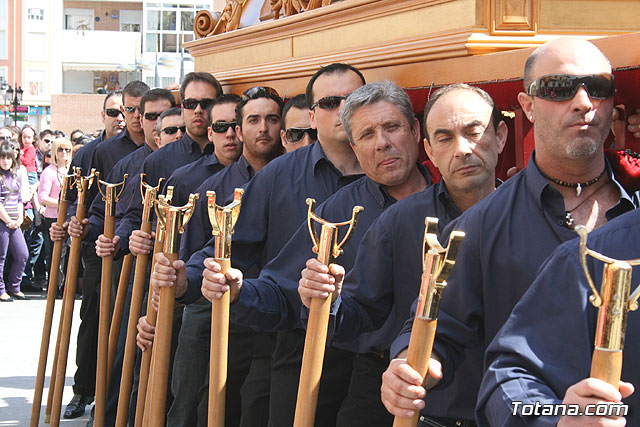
(11, 97)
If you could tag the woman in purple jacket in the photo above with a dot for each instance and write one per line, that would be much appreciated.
(11, 215)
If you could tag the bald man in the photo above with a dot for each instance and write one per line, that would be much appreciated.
(569, 99)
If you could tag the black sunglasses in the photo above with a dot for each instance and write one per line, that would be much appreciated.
(170, 130)
(329, 102)
(5, 138)
(259, 92)
(295, 135)
(192, 104)
(48, 141)
(64, 150)
(151, 116)
(115, 112)
(222, 127)
(561, 87)
(131, 109)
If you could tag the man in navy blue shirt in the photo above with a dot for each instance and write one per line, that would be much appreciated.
(543, 353)
(151, 105)
(464, 135)
(379, 121)
(509, 234)
(276, 196)
(192, 354)
(197, 92)
(121, 144)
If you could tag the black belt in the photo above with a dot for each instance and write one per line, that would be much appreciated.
(444, 422)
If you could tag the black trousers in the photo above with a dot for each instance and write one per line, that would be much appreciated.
(363, 406)
(285, 376)
(86, 353)
(241, 344)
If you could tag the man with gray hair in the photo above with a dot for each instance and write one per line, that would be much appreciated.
(383, 132)
(465, 134)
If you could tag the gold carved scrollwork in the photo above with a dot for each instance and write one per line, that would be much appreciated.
(291, 7)
(230, 17)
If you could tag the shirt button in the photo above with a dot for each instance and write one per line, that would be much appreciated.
(560, 222)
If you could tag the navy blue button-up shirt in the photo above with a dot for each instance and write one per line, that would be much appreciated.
(547, 343)
(508, 236)
(187, 178)
(271, 301)
(130, 165)
(198, 230)
(273, 208)
(160, 164)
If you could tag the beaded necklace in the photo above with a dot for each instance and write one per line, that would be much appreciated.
(577, 185)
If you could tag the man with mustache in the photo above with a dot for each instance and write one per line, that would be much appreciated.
(465, 134)
(384, 134)
(568, 181)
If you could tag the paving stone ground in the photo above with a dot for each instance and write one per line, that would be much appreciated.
(20, 335)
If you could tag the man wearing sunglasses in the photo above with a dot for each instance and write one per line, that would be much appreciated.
(569, 98)
(296, 131)
(278, 192)
(170, 126)
(257, 134)
(151, 104)
(197, 92)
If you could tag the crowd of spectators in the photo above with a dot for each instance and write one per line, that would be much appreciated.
(32, 168)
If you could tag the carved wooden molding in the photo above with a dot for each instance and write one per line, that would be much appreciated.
(514, 17)
(332, 16)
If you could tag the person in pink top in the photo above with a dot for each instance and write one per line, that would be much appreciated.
(49, 189)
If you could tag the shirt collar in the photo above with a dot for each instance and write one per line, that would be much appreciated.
(210, 160)
(245, 168)
(380, 193)
(194, 147)
(537, 184)
(317, 154)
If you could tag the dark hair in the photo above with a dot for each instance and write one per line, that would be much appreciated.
(175, 111)
(83, 140)
(59, 133)
(77, 137)
(199, 77)
(496, 117)
(117, 92)
(46, 132)
(7, 150)
(134, 89)
(225, 98)
(25, 127)
(335, 68)
(259, 94)
(299, 101)
(156, 95)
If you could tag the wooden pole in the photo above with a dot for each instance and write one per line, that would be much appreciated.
(423, 333)
(116, 319)
(110, 197)
(52, 379)
(137, 295)
(437, 264)
(82, 184)
(144, 396)
(174, 219)
(315, 341)
(222, 220)
(48, 313)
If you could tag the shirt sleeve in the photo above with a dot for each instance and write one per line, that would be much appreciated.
(535, 357)
(46, 182)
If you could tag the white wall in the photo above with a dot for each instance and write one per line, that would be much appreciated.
(77, 81)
